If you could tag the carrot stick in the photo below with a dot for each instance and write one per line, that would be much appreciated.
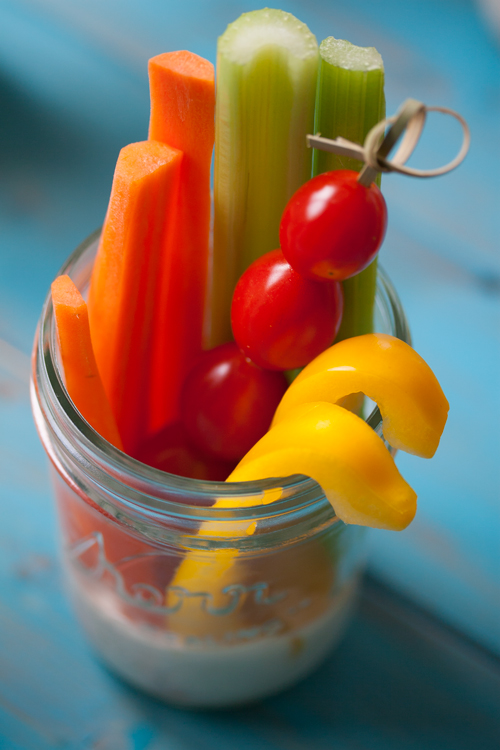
(123, 295)
(83, 382)
(182, 115)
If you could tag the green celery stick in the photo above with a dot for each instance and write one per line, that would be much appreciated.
(350, 101)
(267, 63)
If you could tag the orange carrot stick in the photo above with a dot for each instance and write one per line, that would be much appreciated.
(83, 382)
(124, 290)
(182, 115)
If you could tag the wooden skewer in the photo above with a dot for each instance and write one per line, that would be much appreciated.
(408, 122)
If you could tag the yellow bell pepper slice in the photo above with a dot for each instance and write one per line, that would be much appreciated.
(360, 479)
(343, 455)
(413, 406)
(314, 436)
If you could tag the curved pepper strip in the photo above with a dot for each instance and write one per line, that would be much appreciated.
(333, 446)
(413, 406)
(343, 455)
(360, 479)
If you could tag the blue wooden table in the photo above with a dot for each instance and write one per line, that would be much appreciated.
(73, 90)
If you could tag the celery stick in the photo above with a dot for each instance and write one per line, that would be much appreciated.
(349, 103)
(267, 64)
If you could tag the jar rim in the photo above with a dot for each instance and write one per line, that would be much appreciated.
(67, 437)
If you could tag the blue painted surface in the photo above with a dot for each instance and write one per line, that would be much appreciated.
(73, 90)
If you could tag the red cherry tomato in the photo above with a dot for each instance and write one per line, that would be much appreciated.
(170, 450)
(280, 319)
(332, 226)
(227, 402)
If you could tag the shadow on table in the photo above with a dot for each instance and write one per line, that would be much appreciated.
(399, 680)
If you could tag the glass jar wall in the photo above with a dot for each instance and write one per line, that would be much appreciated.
(266, 589)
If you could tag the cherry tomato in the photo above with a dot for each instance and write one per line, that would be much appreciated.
(170, 450)
(227, 402)
(332, 227)
(280, 319)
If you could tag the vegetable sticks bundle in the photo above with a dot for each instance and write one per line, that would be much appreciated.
(151, 282)
(147, 295)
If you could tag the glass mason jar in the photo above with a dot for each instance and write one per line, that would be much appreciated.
(234, 631)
